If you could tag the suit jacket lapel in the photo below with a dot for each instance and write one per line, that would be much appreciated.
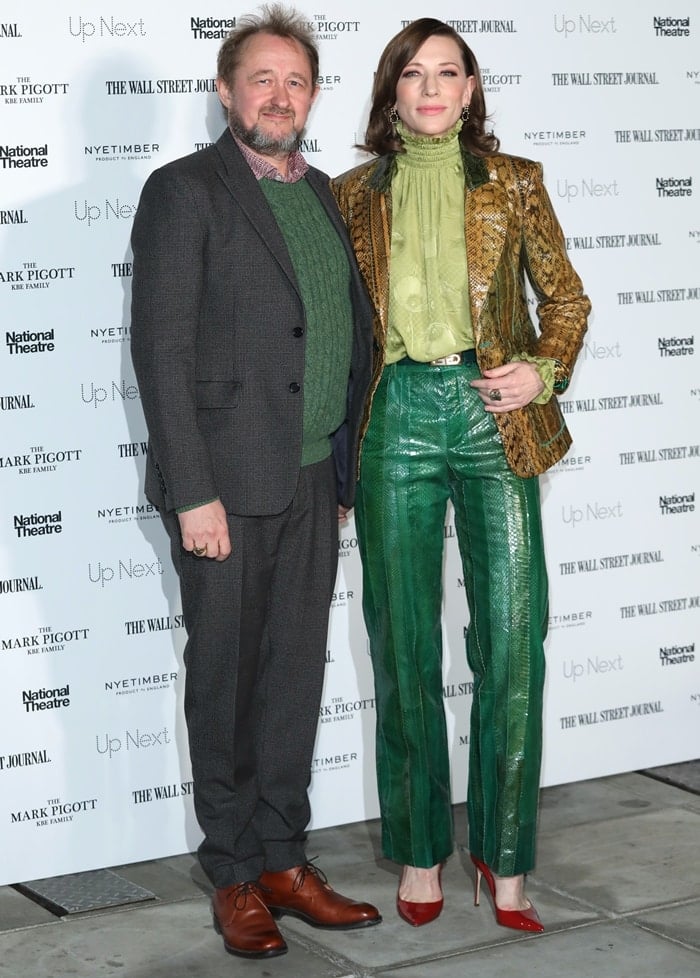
(485, 226)
(370, 235)
(374, 254)
(319, 184)
(485, 229)
(243, 186)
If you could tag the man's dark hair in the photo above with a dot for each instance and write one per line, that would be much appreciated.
(273, 19)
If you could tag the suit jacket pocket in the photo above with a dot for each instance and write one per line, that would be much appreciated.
(212, 394)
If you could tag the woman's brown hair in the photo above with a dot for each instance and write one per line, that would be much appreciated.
(380, 137)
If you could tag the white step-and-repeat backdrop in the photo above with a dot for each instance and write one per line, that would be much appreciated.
(94, 768)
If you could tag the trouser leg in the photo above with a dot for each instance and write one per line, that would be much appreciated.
(400, 510)
(301, 594)
(498, 522)
(254, 659)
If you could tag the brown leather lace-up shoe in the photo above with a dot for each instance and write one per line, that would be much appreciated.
(303, 892)
(245, 923)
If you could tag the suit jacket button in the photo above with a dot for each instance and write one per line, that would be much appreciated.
(294, 387)
(297, 331)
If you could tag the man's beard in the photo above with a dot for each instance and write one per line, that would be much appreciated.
(262, 142)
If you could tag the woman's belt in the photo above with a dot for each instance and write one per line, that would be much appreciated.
(451, 360)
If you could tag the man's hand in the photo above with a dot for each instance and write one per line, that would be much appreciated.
(205, 531)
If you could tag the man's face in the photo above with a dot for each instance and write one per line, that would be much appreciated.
(269, 98)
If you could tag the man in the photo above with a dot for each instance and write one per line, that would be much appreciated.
(251, 344)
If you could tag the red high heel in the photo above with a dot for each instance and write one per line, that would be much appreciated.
(516, 919)
(417, 914)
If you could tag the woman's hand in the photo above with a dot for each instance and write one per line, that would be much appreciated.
(509, 387)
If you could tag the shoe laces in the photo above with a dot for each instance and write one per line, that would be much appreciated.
(241, 893)
(308, 869)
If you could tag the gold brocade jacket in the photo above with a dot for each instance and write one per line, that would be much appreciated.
(511, 232)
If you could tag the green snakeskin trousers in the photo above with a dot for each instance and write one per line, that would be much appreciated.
(430, 440)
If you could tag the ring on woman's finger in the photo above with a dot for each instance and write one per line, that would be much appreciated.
(199, 551)
(495, 394)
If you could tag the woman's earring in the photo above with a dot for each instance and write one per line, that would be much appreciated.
(465, 113)
(393, 116)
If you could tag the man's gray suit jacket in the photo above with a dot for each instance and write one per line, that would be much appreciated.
(218, 339)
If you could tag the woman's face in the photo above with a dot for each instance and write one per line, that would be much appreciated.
(433, 88)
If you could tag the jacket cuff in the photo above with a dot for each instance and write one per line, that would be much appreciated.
(546, 368)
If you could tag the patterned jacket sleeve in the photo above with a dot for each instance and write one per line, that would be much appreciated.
(562, 306)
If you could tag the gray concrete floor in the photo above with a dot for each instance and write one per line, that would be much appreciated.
(617, 885)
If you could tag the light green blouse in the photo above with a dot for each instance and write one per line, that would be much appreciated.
(429, 312)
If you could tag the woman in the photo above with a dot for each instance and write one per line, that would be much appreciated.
(462, 407)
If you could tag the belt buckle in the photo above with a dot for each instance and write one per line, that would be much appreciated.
(451, 360)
